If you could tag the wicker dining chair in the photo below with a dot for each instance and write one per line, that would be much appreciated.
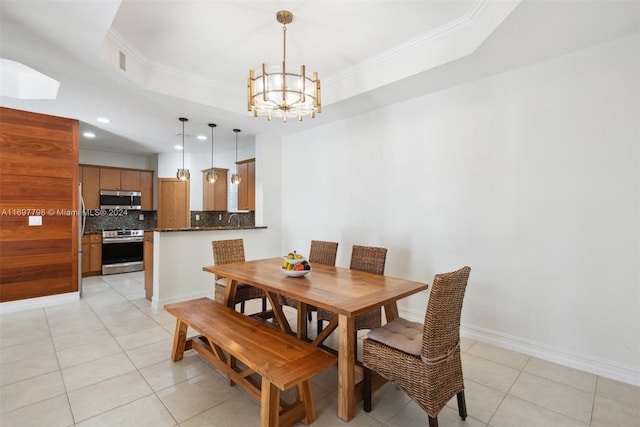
(227, 252)
(371, 260)
(423, 359)
(321, 252)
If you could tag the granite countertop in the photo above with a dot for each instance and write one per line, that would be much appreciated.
(252, 227)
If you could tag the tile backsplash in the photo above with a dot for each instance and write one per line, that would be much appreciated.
(105, 219)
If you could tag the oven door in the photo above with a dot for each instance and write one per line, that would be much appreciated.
(121, 256)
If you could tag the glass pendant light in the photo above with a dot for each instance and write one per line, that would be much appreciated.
(211, 175)
(183, 174)
(236, 178)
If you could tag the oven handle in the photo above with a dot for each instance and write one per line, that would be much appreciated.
(122, 240)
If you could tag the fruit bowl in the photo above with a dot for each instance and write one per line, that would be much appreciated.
(293, 261)
(294, 273)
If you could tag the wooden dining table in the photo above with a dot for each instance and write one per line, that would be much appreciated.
(343, 291)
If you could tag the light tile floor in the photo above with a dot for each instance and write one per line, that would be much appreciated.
(105, 361)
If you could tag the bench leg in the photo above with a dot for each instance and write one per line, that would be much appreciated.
(269, 404)
(179, 340)
(306, 396)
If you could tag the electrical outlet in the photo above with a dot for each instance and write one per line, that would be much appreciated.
(219, 217)
(197, 217)
(141, 217)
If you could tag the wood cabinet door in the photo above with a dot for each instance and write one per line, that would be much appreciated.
(148, 264)
(130, 180)
(109, 179)
(251, 186)
(86, 255)
(243, 194)
(214, 196)
(91, 187)
(146, 187)
(247, 187)
(173, 203)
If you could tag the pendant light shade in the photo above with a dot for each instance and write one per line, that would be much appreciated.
(211, 175)
(236, 178)
(183, 174)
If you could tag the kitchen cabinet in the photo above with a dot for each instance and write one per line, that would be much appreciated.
(90, 178)
(148, 264)
(146, 187)
(92, 258)
(173, 203)
(119, 179)
(214, 196)
(247, 187)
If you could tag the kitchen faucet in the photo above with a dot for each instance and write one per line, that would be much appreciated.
(237, 216)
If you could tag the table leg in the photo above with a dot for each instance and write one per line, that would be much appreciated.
(346, 367)
(391, 311)
(230, 293)
(302, 321)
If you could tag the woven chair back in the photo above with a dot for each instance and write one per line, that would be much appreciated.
(441, 335)
(227, 251)
(368, 258)
(322, 252)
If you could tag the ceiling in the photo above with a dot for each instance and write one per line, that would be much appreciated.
(191, 58)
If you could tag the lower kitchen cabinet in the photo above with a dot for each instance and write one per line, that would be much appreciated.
(148, 264)
(92, 258)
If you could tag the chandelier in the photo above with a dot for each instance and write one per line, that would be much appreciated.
(283, 92)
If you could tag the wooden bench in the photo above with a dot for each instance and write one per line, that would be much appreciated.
(282, 360)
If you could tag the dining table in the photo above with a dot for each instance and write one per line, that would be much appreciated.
(343, 291)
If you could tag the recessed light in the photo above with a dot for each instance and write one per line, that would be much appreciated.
(202, 137)
(89, 135)
(178, 147)
(103, 120)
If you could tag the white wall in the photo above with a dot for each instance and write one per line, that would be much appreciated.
(120, 160)
(530, 177)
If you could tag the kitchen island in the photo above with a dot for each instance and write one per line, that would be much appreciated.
(180, 253)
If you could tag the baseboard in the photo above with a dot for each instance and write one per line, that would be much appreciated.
(563, 357)
(158, 304)
(39, 302)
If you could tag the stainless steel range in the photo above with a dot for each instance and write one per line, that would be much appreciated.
(122, 251)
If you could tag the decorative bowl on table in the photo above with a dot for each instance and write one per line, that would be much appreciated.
(294, 273)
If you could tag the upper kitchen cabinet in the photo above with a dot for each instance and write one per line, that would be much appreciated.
(119, 179)
(90, 178)
(146, 187)
(173, 203)
(247, 187)
(214, 196)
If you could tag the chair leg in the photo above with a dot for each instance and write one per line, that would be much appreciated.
(242, 307)
(366, 388)
(462, 405)
(319, 326)
(264, 304)
(309, 316)
(433, 422)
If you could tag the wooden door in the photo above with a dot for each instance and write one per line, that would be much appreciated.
(251, 185)
(173, 203)
(39, 179)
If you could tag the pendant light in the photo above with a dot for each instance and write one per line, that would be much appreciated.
(211, 175)
(236, 178)
(183, 174)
